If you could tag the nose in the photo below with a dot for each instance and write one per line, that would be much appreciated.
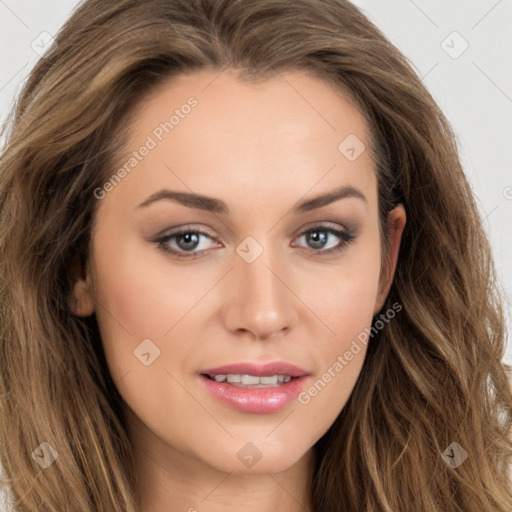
(260, 299)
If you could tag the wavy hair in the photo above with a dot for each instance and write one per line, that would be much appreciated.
(432, 376)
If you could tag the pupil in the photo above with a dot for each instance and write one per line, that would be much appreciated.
(318, 236)
(189, 238)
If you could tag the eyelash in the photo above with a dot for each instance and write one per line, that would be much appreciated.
(346, 237)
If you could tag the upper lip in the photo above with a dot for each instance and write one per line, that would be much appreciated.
(258, 370)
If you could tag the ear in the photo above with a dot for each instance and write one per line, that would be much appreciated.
(82, 302)
(395, 227)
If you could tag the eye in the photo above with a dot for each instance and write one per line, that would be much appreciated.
(326, 240)
(192, 242)
(186, 241)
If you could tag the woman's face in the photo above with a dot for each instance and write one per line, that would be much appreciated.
(262, 272)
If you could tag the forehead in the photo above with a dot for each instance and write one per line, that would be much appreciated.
(294, 101)
(291, 131)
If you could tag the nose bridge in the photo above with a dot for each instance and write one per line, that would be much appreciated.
(261, 302)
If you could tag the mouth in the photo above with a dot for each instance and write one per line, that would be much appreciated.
(247, 374)
(253, 388)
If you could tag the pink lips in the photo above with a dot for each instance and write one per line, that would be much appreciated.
(256, 400)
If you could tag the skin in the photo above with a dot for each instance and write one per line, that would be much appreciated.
(261, 148)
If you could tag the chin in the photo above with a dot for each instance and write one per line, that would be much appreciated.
(257, 457)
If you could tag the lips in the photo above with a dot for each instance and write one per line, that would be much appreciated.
(258, 370)
(250, 399)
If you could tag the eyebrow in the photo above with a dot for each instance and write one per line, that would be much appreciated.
(217, 206)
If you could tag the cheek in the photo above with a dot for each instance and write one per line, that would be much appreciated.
(139, 290)
(344, 299)
(340, 358)
(135, 301)
(345, 305)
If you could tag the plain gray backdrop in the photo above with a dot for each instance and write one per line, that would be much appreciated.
(461, 49)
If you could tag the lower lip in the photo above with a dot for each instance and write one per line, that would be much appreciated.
(255, 400)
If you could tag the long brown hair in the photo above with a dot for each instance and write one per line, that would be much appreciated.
(432, 376)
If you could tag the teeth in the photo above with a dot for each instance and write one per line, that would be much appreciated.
(269, 380)
(250, 380)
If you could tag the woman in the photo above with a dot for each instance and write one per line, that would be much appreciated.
(242, 267)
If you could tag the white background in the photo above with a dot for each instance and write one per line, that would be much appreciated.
(474, 89)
